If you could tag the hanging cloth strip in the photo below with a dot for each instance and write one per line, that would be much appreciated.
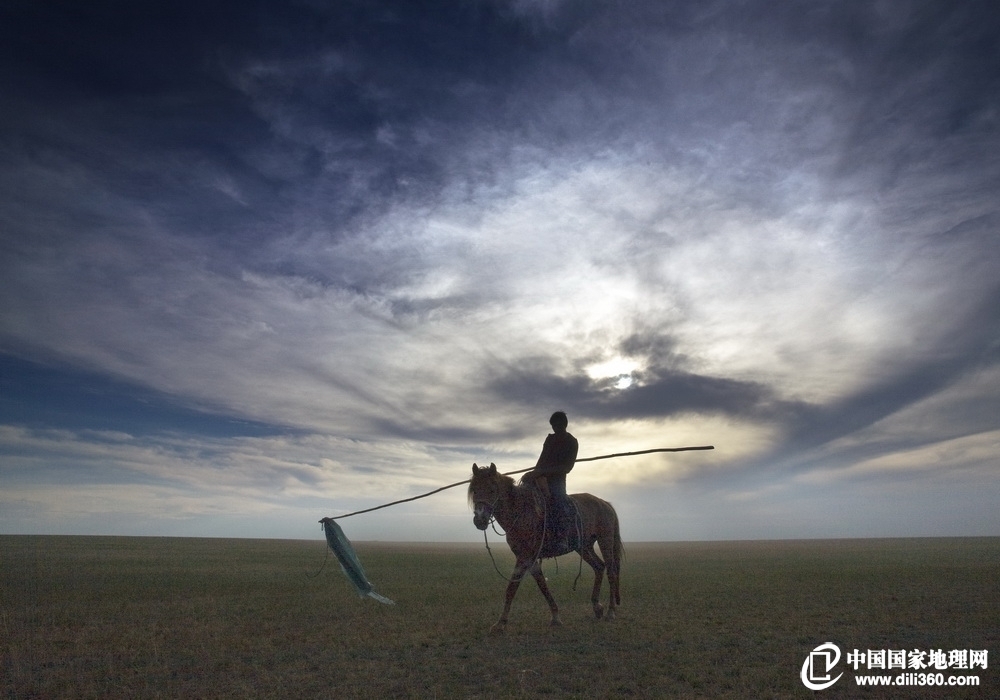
(349, 563)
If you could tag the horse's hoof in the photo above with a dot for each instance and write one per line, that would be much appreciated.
(611, 615)
(598, 611)
(498, 629)
(556, 622)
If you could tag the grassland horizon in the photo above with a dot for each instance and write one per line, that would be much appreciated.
(120, 616)
(493, 539)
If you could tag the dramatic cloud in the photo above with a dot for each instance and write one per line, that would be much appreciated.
(265, 265)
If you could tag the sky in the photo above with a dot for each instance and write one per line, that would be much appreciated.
(262, 263)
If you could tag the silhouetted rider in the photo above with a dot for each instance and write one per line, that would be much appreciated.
(549, 474)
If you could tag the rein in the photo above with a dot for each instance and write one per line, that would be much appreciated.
(492, 523)
(495, 567)
(509, 579)
(541, 540)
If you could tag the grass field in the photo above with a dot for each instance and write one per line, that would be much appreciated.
(160, 617)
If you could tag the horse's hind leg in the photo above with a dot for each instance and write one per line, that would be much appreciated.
(543, 586)
(611, 551)
(614, 581)
(612, 555)
(590, 556)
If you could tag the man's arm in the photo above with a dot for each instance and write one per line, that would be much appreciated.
(558, 456)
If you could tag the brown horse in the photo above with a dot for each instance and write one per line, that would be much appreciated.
(495, 495)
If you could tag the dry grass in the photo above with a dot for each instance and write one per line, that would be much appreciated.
(148, 617)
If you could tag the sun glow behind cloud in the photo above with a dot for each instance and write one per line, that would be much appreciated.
(618, 368)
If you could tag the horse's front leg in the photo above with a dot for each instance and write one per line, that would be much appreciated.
(515, 580)
(543, 586)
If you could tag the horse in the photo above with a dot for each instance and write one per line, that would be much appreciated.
(495, 495)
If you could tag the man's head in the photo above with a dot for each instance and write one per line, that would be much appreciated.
(558, 421)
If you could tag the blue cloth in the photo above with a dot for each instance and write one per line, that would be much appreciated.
(349, 562)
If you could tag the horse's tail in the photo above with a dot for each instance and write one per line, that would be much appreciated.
(619, 555)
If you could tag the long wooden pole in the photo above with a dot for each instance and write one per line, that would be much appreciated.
(521, 471)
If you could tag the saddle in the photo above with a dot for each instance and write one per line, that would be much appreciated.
(562, 529)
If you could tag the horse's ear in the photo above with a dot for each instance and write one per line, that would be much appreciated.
(493, 468)
(475, 468)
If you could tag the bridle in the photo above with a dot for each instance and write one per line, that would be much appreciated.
(486, 507)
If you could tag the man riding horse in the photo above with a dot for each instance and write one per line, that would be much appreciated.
(589, 520)
(549, 476)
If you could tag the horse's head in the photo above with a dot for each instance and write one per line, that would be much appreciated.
(484, 492)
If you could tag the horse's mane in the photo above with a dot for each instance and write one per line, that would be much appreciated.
(506, 484)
